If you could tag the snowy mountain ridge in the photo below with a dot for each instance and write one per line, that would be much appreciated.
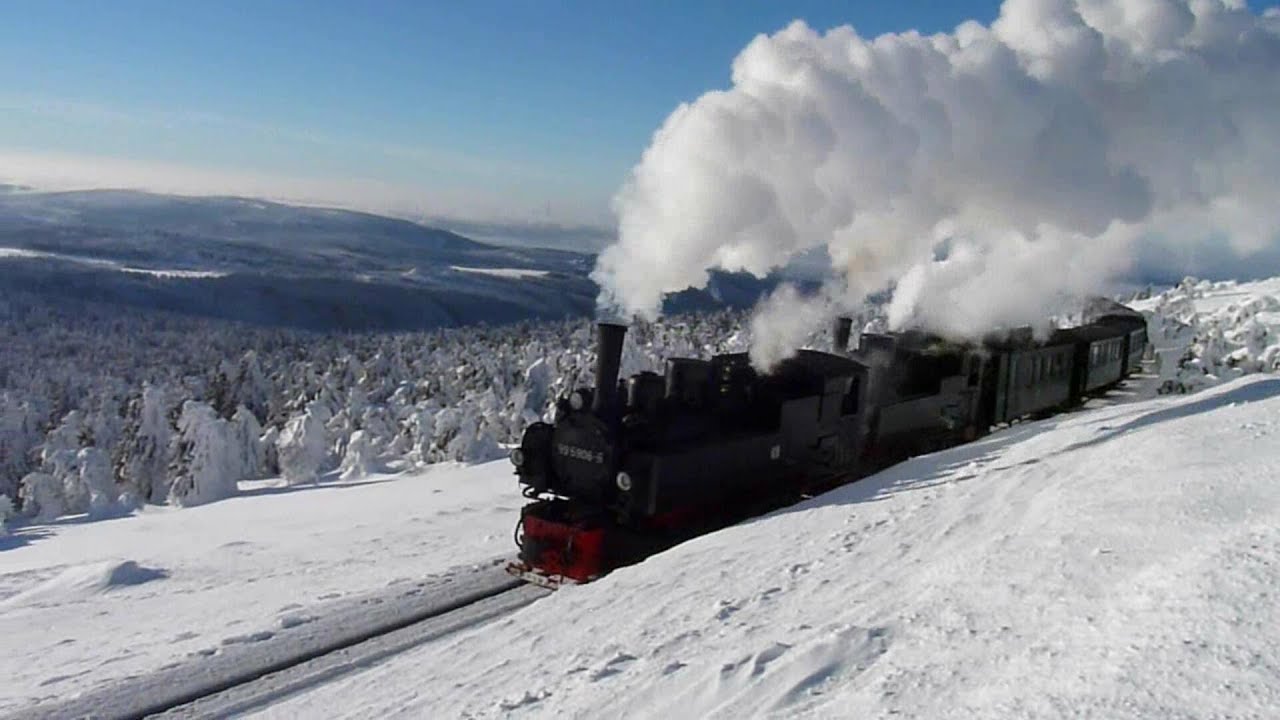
(291, 266)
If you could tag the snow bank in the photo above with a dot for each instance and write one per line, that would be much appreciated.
(1116, 563)
(82, 582)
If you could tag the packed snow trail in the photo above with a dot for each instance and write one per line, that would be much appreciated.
(1119, 562)
(365, 632)
(303, 676)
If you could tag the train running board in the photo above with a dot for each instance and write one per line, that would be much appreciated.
(542, 579)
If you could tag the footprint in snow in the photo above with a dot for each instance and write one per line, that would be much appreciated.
(615, 665)
(259, 636)
(61, 678)
(294, 620)
(769, 593)
(760, 661)
(529, 698)
(726, 610)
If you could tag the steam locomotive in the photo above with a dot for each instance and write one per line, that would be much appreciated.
(630, 468)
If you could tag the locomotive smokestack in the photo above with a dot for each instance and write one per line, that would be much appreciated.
(840, 333)
(608, 360)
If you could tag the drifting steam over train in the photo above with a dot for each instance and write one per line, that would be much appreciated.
(630, 468)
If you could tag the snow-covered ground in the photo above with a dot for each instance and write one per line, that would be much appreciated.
(513, 273)
(24, 254)
(86, 604)
(1116, 562)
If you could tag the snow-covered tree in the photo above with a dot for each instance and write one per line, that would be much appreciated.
(7, 512)
(42, 496)
(360, 458)
(270, 454)
(208, 463)
(95, 478)
(247, 435)
(59, 457)
(302, 447)
(143, 462)
(19, 434)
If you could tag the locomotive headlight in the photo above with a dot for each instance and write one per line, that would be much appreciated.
(624, 481)
(517, 457)
(577, 400)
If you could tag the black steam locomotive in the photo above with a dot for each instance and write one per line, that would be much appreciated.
(630, 468)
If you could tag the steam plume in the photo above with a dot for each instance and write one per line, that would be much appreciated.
(985, 173)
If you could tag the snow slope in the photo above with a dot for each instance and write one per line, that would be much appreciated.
(1116, 562)
(85, 604)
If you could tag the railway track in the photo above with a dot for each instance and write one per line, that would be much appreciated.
(242, 679)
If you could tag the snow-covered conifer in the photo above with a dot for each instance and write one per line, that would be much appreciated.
(208, 463)
(270, 453)
(302, 446)
(360, 458)
(19, 433)
(41, 496)
(7, 513)
(143, 464)
(247, 434)
(95, 478)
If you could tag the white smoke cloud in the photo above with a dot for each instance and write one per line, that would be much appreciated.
(788, 319)
(1040, 150)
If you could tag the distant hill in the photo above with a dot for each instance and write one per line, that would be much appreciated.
(275, 264)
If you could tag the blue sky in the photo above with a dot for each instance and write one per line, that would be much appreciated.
(514, 110)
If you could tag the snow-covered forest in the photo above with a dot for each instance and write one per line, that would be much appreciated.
(106, 408)
(103, 409)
